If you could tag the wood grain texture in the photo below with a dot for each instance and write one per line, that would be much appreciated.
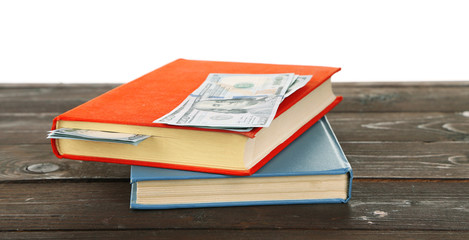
(37, 162)
(374, 206)
(403, 97)
(46, 98)
(404, 126)
(410, 160)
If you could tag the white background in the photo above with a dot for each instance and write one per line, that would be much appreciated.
(117, 41)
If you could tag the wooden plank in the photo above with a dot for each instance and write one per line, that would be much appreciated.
(46, 98)
(402, 126)
(24, 128)
(51, 92)
(436, 160)
(377, 97)
(392, 205)
(238, 234)
(37, 162)
(411, 160)
(442, 160)
(415, 97)
(426, 127)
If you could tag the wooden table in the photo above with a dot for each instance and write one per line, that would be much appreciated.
(408, 144)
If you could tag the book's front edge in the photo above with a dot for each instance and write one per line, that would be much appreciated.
(300, 131)
(53, 142)
(135, 205)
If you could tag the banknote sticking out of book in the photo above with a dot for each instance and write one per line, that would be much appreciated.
(98, 136)
(312, 169)
(235, 149)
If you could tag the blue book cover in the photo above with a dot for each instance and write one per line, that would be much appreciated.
(312, 169)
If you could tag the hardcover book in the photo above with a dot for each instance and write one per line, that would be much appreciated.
(132, 108)
(312, 169)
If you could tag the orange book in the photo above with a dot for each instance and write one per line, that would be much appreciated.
(132, 108)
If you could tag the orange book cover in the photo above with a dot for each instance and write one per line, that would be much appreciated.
(155, 94)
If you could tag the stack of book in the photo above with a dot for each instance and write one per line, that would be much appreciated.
(297, 159)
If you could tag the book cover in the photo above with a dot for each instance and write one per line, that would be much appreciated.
(132, 108)
(314, 154)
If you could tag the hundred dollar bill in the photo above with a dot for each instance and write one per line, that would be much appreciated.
(100, 136)
(299, 82)
(232, 101)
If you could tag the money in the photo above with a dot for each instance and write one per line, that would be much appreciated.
(100, 136)
(299, 82)
(232, 101)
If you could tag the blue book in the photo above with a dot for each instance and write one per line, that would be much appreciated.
(312, 169)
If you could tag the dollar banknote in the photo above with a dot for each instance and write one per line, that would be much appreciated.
(232, 101)
(299, 82)
(100, 136)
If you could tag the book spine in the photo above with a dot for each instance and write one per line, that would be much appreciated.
(345, 162)
(53, 141)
